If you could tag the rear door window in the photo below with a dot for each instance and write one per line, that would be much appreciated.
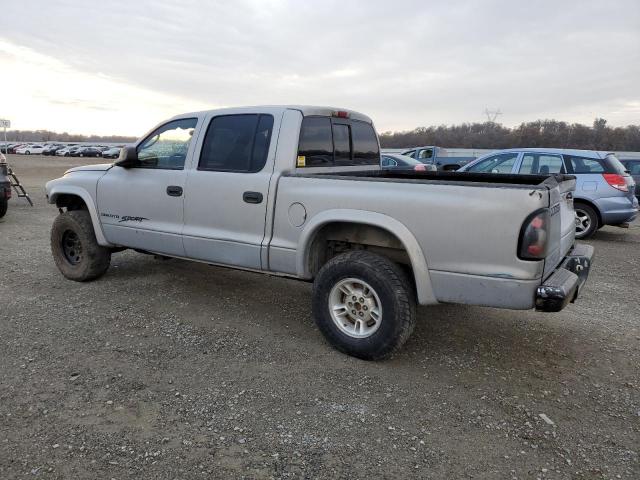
(236, 143)
(541, 164)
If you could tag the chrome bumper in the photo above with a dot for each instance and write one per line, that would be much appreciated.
(563, 285)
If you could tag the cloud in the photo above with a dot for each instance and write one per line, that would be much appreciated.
(405, 63)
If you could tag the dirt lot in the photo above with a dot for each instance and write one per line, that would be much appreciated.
(169, 369)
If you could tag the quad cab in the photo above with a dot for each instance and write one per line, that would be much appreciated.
(298, 191)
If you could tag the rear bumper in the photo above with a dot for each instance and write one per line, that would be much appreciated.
(616, 210)
(564, 284)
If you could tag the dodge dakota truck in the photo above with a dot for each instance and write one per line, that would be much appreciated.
(298, 191)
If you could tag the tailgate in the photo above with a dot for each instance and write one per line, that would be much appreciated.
(562, 226)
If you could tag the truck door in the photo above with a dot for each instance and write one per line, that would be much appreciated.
(226, 192)
(142, 206)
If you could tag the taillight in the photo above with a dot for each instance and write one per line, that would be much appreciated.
(534, 236)
(340, 114)
(7, 192)
(420, 167)
(617, 181)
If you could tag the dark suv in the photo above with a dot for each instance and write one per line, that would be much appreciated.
(633, 167)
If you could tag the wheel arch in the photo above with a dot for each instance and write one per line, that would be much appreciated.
(70, 196)
(590, 204)
(391, 226)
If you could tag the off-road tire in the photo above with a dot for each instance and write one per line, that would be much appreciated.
(4, 204)
(94, 259)
(593, 219)
(394, 290)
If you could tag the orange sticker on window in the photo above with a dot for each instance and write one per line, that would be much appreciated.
(302, 161)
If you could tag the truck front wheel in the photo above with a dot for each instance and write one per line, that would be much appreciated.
(364, 304)
(75, 248)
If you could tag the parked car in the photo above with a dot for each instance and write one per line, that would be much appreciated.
(87, 152)
(392, 161)
(438, 156)
(5, 186)
(67, 151)
(13, 147)
(113, 152)
(52, 149)
(633, 167)
(604, 191)
(303, 196)
(30, 149)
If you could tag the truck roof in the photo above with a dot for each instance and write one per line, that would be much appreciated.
(306, 110)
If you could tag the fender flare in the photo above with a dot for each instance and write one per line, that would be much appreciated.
(91, 206)
(424, 289)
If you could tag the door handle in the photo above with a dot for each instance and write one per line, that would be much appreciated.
(252, 197)
(174, 191)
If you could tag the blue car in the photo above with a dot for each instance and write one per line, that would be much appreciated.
(604, 189)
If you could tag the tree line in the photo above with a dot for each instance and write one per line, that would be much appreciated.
(541, 133)
(492, 135)
(48, 136)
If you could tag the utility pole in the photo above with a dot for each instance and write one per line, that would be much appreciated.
(5, 124)
(492, 115)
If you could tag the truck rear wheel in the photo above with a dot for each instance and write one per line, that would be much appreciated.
(75, 248)
(364, 304)
(4, 204)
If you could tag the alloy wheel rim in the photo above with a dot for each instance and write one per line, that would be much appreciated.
(583, 221)
(355, 308)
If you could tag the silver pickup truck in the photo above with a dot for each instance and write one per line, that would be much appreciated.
(297, 191)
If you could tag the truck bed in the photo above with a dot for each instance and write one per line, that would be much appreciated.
(467, 225)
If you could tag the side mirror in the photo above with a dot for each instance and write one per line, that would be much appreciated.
(128, 157)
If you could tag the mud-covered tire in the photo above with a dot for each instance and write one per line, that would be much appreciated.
(586, 221)
(75, 249)
(391, 288)
(4, 204)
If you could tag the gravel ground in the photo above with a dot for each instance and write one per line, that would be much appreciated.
(170, 369)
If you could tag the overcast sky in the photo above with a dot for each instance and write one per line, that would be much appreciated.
(118, 67)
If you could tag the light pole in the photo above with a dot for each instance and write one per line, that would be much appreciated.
(5, 124)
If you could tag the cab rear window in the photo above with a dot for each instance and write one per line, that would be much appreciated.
(327, 142)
